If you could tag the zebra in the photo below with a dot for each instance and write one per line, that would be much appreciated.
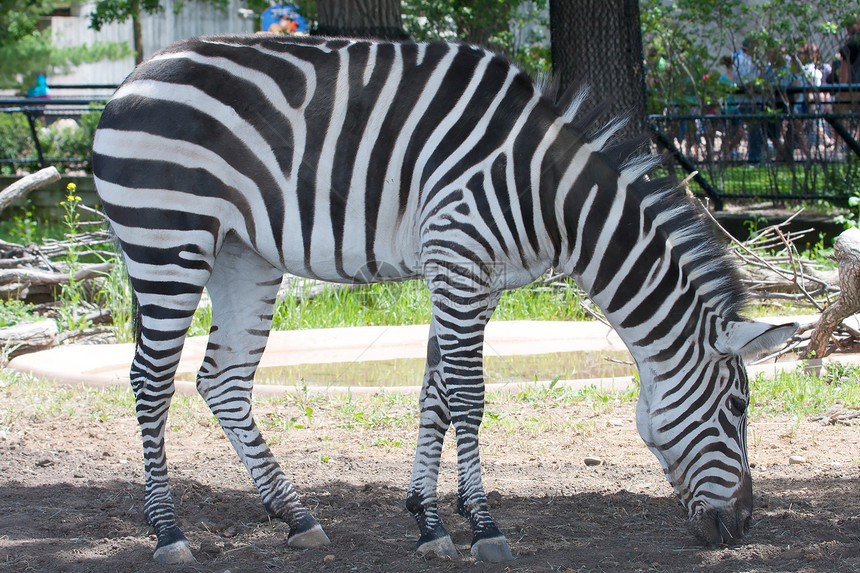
(224, 162)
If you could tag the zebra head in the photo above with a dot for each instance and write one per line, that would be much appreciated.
(692, 415)
(647, 256)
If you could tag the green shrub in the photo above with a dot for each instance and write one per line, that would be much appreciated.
(15, 140)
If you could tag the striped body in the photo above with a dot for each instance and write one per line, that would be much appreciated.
(347, 179)
(224, 162)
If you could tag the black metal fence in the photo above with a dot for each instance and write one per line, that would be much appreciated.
(806, 152)
(41, 113)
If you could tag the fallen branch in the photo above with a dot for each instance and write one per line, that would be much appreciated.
(30, 276)
(26, 184)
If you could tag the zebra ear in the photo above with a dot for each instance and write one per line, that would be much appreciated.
(748, 338)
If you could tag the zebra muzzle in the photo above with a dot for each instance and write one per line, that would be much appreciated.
(725, 525)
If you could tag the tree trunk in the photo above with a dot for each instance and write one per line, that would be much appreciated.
(360, 19)
(598, 43)
(846, 250)
(137, 30)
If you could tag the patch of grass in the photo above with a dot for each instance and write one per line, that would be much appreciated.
(802, 393)
(404, 303)
(14, 311)
(533, 410)
(599, 399)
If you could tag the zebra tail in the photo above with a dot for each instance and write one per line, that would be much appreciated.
(136, 326)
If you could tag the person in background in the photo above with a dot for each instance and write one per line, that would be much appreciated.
(40, 88)
(849, 73)
(747, 73)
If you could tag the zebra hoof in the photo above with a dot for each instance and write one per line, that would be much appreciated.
(313, 537)
(176, 553)
(492, 550)
(441, 546)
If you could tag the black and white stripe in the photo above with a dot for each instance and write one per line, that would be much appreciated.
(224, 162)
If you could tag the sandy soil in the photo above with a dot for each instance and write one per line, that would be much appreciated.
(71, 493)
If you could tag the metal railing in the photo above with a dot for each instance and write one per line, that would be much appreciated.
(787, 156)
(87, 98)
(807, 150)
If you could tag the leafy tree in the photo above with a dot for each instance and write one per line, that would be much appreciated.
(107, 11)
(25, 49)
(483, 22)
(686, 39)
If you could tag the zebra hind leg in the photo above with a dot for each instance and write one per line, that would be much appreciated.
(243, 289)
(164, 319)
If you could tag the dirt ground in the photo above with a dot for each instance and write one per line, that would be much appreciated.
(71, 495)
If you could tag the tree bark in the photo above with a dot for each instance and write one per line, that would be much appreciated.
(379, 19)
(846, 250)
(137, 31)
(598, 43)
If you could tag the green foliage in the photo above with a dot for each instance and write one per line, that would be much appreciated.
(65, 139)
(15, 139)
(483, 22)
(802, 392)
(486, 23)
(14, 311)
(403, 303)
(107, 11)
(685, 39)
(25, 49)
(72, 294)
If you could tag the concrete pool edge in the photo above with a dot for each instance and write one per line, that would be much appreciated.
(107, 365)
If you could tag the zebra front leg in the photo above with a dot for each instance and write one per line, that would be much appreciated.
(243, 289)
(453, 392)
(467, 407)
(435, 418)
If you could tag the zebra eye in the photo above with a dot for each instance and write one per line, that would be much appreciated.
(737, 405)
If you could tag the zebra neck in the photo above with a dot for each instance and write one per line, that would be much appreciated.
(620, 251)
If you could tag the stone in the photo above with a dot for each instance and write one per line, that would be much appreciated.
(593, 461)
(796, 460)
(210, 547)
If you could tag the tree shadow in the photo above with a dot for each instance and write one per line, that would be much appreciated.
(799, 522)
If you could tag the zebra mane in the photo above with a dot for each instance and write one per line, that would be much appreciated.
(695, 244)
(683, 222)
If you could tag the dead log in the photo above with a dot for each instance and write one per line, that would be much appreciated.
(27, 283)
(28, 337)
(846, 251)
(32, 276)
(26, 184)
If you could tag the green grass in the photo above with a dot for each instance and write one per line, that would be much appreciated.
(405, 303)
(802, 393)
(532, 410)
(14, 311)
(838, 179)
